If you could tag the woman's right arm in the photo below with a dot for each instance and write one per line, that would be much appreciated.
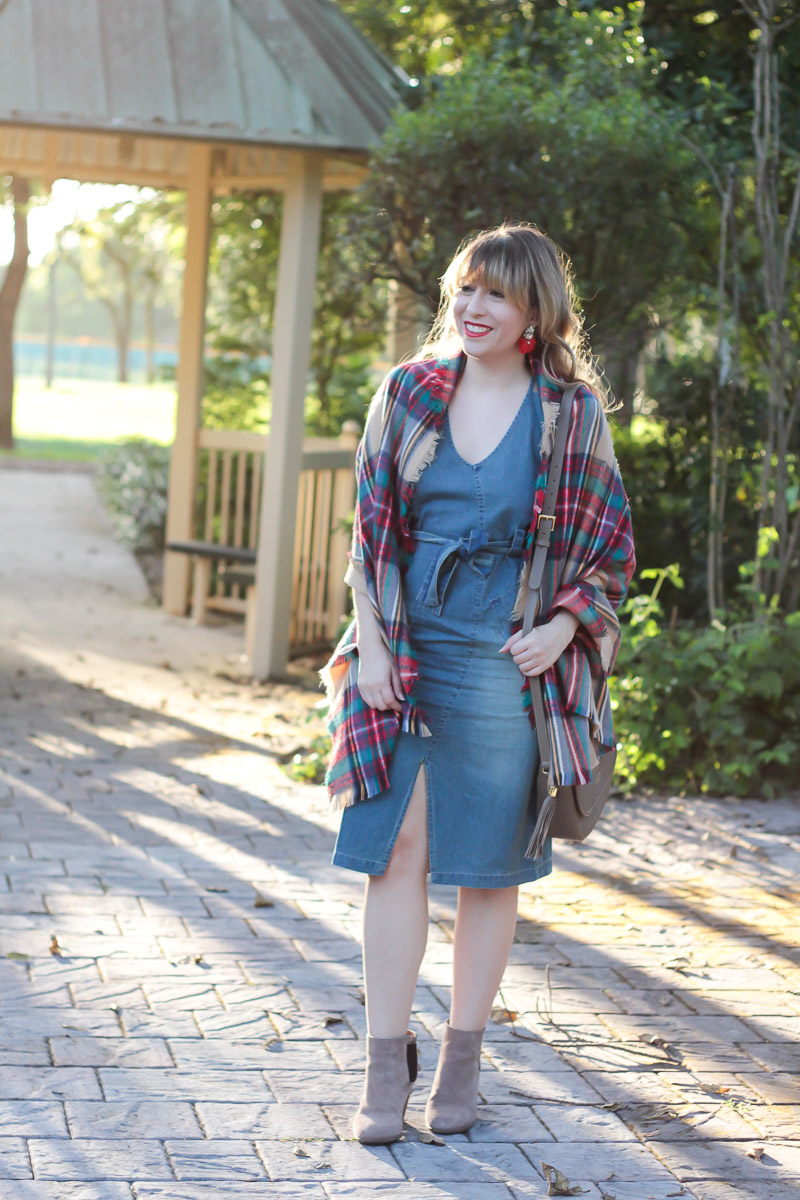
(378, 677)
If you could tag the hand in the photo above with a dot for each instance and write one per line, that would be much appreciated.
(544, 645)
(379, 679)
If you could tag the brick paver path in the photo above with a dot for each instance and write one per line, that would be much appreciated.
(180, 1006)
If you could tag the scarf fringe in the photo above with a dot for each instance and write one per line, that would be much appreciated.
(426, 452)
(341, 800)
(518, 611)
(550, 411)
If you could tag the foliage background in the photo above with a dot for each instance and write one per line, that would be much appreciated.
(627, 133)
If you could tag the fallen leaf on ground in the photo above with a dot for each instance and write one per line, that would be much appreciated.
(558, 1184)
(54, 946)
(216, 889)
(17, 954)
(710, 1089)
(756, 1152)
(503, 1016)
(676, 964)
(300, 1152)
(333, 1021)
(262, 902)
(430, 1139)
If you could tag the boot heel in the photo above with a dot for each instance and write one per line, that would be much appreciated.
(391, 1069)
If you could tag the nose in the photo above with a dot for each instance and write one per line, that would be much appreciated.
(476, 302)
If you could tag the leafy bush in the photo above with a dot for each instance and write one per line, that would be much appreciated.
(132, 479)
(237, 393)
(310, 764)
(713, 709)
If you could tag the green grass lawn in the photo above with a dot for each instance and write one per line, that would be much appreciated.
(76, 418)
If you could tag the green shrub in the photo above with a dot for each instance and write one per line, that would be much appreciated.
(713, 709)
(310, 764)
(132, 479)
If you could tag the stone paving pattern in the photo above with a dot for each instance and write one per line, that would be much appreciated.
(181, 1014)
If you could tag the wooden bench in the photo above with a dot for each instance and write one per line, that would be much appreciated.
(232, 560)
(223, 550)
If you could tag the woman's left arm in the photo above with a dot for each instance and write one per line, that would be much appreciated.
(592, 557)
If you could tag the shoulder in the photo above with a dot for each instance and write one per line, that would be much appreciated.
(407, 384)
(589, 415)
(403, 390)
(590, 432)
(408, 377)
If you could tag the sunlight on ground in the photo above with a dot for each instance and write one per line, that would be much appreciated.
(89, 410)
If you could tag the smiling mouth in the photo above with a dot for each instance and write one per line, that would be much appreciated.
(472, 330)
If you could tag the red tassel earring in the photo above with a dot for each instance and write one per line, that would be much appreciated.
(527, 343)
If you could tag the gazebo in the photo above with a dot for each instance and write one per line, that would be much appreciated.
(208, 96)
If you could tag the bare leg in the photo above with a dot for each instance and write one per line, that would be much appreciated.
(485, 923)
(395, 926)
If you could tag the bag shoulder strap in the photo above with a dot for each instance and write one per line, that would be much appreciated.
(546, 520)
(545, 525)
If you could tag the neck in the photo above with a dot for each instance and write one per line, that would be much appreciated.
(508, 372)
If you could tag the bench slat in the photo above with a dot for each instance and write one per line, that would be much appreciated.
(242, 554)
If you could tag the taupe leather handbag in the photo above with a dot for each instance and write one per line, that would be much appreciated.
(562, 812)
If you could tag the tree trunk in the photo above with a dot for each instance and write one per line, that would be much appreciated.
(124, 310)
(719, 432)
(120, 313)
(50, 355)
(150, 334)
(776, 548)
(9, 299)
(123, 337)
(619, 357)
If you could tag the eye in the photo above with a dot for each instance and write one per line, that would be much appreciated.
(496, 292)
(466, 289)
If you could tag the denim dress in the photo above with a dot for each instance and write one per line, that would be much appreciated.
(469, 522)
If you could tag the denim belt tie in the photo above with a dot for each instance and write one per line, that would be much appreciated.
(456, 550)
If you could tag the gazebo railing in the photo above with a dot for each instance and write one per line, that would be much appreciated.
(230, 476)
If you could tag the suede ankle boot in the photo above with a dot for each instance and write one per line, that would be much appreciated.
(391, 1070)
(453, 1103)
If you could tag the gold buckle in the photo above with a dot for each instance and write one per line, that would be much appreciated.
(547, 517)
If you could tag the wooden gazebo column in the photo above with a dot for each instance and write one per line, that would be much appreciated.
(183, 460)
(291, 356)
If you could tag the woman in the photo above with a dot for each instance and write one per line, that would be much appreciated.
(434, 759)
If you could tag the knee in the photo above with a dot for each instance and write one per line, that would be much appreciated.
(505, 897)
(409, 857)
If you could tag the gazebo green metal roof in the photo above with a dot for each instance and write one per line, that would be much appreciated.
(280, 73)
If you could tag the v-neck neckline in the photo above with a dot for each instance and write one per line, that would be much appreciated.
(492, 452)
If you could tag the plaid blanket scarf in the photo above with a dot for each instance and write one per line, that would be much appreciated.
(589, 565)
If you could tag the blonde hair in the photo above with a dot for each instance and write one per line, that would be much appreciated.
(531, 271)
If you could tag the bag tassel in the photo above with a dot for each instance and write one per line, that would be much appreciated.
(543, 821)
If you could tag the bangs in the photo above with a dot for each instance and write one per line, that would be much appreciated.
(495, 263)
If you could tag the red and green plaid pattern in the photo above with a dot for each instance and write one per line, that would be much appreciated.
(589, 566)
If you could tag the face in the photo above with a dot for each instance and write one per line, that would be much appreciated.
(488, 322)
